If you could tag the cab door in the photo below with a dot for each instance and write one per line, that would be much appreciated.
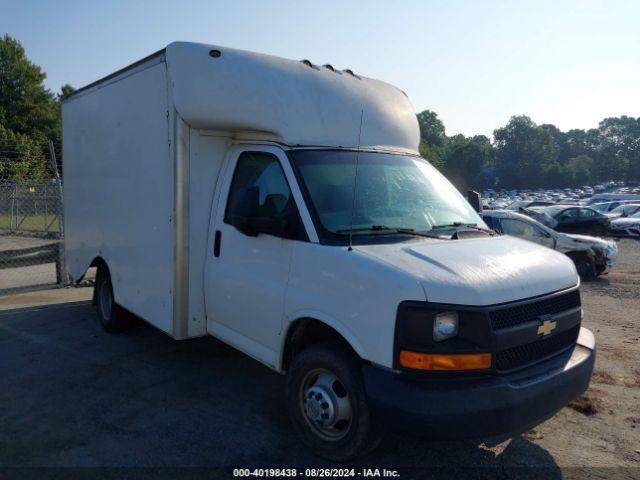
(247, 272)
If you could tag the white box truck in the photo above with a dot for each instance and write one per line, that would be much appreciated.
(283, 208)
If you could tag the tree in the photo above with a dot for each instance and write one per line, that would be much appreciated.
(432, 138)
(619, 148)
(578, 170)
(65, 91)
(21, 157)
(526, 154)
(431, 154)
(431, 128)
(466, 160)
(26, 106)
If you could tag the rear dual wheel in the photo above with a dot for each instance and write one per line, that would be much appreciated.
(112, 317)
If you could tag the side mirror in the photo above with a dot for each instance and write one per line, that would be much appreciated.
(475, 200)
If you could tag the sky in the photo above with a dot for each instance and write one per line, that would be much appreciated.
(474, 62)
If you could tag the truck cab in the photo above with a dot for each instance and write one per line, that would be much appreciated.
(293, 218)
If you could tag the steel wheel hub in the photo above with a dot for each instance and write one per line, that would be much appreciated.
(326, 405)
(319, 406)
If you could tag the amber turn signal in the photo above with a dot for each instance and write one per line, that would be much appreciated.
(428, 361)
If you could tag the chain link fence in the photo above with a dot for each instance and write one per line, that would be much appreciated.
(31, 216)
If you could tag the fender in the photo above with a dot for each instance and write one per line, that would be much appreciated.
(338, 326)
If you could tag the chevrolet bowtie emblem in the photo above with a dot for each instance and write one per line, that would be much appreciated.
(546, 326)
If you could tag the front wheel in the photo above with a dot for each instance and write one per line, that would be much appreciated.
(327, 402)
(586, 268)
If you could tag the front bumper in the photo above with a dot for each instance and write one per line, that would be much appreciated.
(481, 407)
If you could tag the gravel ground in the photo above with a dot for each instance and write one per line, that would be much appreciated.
(76, 402)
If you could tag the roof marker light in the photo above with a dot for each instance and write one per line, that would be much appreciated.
(215, 53)
(307, 62)
(329, 67)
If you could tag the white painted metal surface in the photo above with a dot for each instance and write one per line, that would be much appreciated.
(353, 292)
(207, 156)
(118, 182)
(479, 271)
(293, 103)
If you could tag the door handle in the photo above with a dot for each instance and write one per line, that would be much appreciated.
(216, 243)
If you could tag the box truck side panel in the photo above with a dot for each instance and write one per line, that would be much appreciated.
(118, 182)
(207, 154)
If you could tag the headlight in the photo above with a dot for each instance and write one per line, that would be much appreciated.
(445, 325)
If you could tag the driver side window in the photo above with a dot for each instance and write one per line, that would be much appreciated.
(586, 213)
(262, 175)
(569, 214)
(518, 228)
(263, 172)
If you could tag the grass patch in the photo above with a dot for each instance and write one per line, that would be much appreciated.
(30, 223)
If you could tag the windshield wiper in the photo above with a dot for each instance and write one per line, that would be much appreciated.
(473, 226)
(384, 228)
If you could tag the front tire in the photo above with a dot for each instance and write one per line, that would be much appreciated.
(112, 317)
(586, 268)
(327, 402)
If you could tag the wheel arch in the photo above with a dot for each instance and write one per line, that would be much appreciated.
(100, 263)
(311, 327)
(580, 254)
(589, 259)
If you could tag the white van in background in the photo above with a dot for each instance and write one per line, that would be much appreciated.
(283, 207)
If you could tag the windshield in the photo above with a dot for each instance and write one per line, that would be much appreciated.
(600, 207)
(517, 204)
(394, 191)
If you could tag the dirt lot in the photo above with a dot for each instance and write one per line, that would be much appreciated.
(77, 402)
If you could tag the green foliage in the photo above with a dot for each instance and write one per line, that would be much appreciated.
(465, 160)
(65, 91)
(431, 153)
(26, 106)
(526, 155)
(29, 115)
(431, 129)
(22, 157)
(579, 170)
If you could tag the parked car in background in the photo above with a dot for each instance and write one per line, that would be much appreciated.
(592, 256)
(625, 210)
(516, 206)
(607, 207)
(540, 216)
(613, 197)
(577, 219)
(627, 226)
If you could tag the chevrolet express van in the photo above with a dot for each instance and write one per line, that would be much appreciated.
(283, 207)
